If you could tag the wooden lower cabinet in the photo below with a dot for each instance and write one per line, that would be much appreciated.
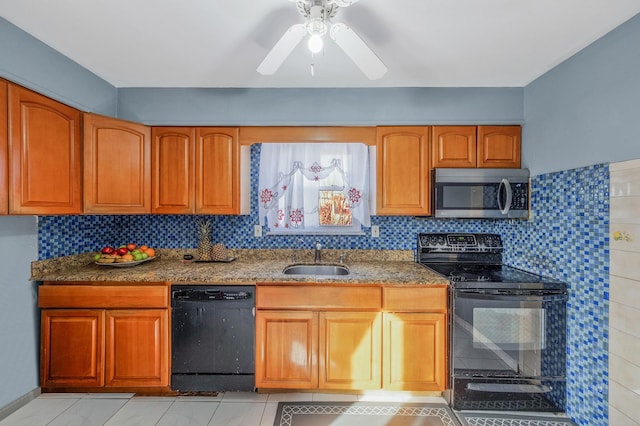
(111, 348)
(286, 349)
(349, 350)
(72, 348)
(104, 336)
(414, 351)
(136, 348)
(325, 350)
(351, 338)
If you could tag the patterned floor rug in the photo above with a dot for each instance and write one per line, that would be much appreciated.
(363, 413)
(493, 419)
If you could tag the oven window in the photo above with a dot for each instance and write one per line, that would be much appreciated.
(509, 335)
(509, 328)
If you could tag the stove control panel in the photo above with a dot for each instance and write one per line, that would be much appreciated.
(460, 242)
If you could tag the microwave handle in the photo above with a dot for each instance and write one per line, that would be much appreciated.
(505, 186)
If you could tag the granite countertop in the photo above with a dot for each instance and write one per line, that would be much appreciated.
(248, 267)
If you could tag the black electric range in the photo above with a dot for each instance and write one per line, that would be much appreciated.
(473, 260)
(507, 326)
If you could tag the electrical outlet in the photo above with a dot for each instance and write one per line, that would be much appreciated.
(257, 231)
(375, 231)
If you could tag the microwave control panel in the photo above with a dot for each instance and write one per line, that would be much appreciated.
(520, 200)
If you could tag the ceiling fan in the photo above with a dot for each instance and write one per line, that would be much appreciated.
(318, 15)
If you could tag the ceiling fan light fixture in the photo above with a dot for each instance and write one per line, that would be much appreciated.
(315, 43)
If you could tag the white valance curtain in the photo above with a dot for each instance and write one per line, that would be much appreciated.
(294, 177)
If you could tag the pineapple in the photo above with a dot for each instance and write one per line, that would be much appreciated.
(205, 247)
(219, 252)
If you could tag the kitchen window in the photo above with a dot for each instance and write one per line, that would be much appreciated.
(314, 188)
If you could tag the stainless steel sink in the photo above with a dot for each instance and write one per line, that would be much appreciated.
(314, 269)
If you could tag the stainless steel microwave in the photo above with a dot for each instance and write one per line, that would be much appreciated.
(481, 193)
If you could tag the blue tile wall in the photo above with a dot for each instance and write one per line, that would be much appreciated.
(567, 238)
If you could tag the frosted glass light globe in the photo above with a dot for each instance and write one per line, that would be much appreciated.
(315, 43)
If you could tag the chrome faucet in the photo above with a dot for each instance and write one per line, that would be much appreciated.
(318, 249)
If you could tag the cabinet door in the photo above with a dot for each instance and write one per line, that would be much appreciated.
(453, 146)
(137, 348)
(44, 145)
(286, 349)
(414, 351)
(350, 350)
(172, 170)
(71, 351)
(403, 171)
(217, 170)
(499, 146)
(117, 166)
(4, 153)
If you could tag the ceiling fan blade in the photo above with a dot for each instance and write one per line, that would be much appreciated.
(358, 51)
(282, 49)
(344, 3)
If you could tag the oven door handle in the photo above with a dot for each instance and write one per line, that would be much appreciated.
(506, 187)
(491, 294)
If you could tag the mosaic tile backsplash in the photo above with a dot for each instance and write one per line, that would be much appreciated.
(567, 239)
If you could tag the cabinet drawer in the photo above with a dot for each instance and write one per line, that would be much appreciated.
(312, 297)
(103, 296)
(423, 299)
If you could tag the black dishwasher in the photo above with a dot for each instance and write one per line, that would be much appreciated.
(213, 334)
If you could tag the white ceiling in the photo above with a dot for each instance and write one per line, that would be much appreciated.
(219, 43)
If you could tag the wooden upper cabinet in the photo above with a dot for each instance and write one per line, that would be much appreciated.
(117, 166)
(172, 170)
(4, 147)
(217, 170)
(499, 146)
(44, 146)
(476, 146)
(453, 146)
(403, 170)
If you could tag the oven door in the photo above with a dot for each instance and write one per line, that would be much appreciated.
(509, 349)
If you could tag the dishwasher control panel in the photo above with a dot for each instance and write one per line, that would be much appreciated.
(196, 293)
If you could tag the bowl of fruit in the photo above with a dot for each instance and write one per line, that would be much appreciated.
(124, 256)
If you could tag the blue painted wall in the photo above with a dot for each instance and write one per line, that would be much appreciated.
(29, 62)
(19, 315)
(321, 106)
(585, 110)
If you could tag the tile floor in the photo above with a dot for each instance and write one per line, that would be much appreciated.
(230, 408)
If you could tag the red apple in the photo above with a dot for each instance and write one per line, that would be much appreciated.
(107, 250)
(122, 251)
